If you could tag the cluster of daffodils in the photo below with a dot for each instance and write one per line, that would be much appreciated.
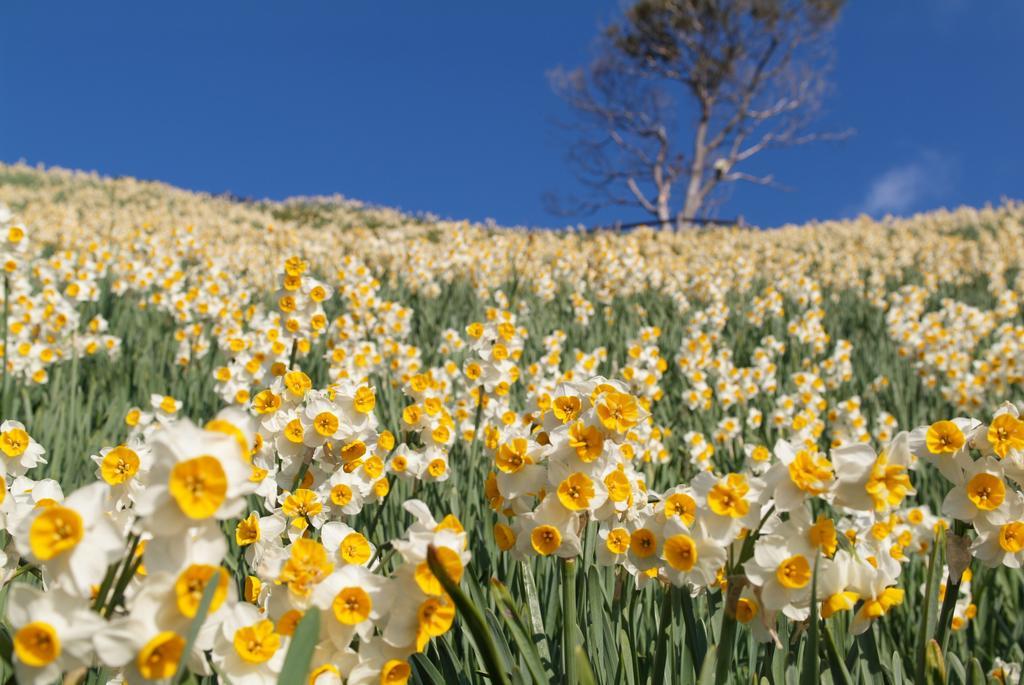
(429, 430)
(320, 447)
(571, 465)
(984, 464)
(261, 344)
(126, 562)
(759, 533)
(41, 299)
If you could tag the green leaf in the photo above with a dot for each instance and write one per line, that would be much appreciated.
(520, 636)
(473, 620)
(585, 673)
(929, 608)
(569, 627)
(935, 665)
(810, 670)
(975, 673)
(300, 651)
(836, 664)
(662, 643)
(627, 663)
(696, 640)
(426, 670)
(707, 671)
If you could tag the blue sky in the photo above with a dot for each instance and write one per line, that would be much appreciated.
(445, 107)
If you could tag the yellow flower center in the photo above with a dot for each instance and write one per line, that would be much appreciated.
(986, 491)
(1006, 433)
(301, 504)
(395, 672)
(257, 643)
(944, 437)
(681, 552)
(888, 484)
(726, 497)
(566, 408)
(618, 411)
(840, 601)
(794, 573)
(119, 465)
(512, 456)
(810, 473)
(36, 644)
(55, 530)
(545, 539)
(191, 584)
(326, 424)
(355, 549)
(14, 442)
(341, 494)
(576, 491)
(306, 566)
(435, 616)
(617, 541)
(643, 543)
(822, 534)
(588, 441)
(746, 610)
(351, 606)
(158, 659)
(248, 530)
(199, 486)
(1011, 537)
(618, 486)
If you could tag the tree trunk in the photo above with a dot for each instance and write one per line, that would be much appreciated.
(664, 213)
(694, 197)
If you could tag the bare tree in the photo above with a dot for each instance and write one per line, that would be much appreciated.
(683, 93)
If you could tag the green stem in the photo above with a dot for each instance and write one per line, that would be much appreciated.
(569, 621)
(696, 653)
(661, 650)
(952, 592)
(128, 569)
(723, 658)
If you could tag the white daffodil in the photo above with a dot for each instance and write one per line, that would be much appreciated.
(733, 501)
(249, 648)
(840, 580)
(197, 475)
(124, 468)
(354, 601)
(74, 541)
(144, 647)
(379, 662)
(1000, 538)
(346, 544)
(690, 554)
(866, 481)
(51, 632)
(879, 594)
(549, 529)
(980, 495)
(782, 569)
(20, 451)
(946, 445)
(190, 562)
(797, 475)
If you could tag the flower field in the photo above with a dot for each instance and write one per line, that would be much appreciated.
(316, 441)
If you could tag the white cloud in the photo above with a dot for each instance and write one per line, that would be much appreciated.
(906, 187)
